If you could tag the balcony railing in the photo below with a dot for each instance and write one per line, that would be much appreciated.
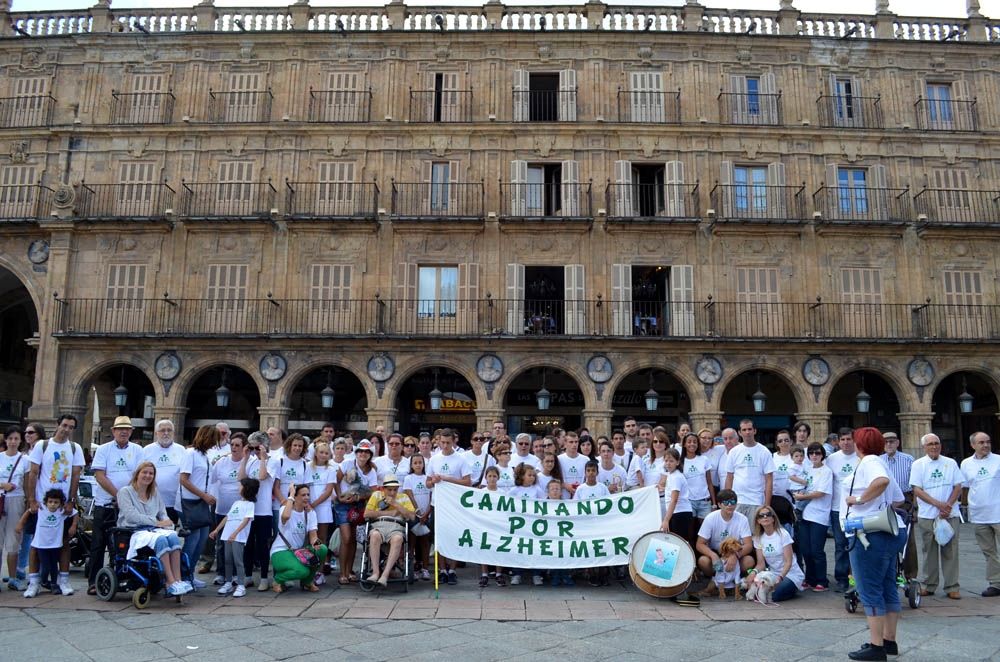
(649, 107)
(863, 204)
(333, 106)
(554, 318)
(626, 202)
(142, 107)
(850, 112)
(440, 105)
(318, 200)
(544, 105)
(753, 202)
(232, 200)
(940, 205)
(555, 200)
(25, 202)
(451, 200)
(752, 108)
(26, 111)
(946, 115)
(226, 107)
(123, 201)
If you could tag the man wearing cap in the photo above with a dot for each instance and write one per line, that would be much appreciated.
(387, 510)
(899, 464)
(114, 463)
(982, 482)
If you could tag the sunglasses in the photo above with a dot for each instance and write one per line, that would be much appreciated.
(477, 439)
(728, 502)
(504, 453)
(409, 445)
(764, 515)
(815, 452)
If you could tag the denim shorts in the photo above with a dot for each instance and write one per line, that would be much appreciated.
(340, 511)
(700, 508)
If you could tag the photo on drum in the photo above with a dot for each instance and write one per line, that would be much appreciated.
(661, 559)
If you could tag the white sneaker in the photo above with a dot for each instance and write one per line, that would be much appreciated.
(226, 589)
(536, 580)
(186, 586)
(219, 580)
(197, 583)
(178, 588)
(425, 575)
(32, 589)
(240, 591)
(515, 580)
(263, 585)
(64, 587)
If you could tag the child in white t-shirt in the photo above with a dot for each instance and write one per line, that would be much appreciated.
(591, 489)
(491, 478)
(554, 492)
(415, 487)
(48, 542)
(796, 475)
(235, 527)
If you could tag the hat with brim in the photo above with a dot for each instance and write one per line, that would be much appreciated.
(390, 481)
(123, 422)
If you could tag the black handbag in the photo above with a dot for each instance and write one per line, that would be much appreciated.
(196, 513)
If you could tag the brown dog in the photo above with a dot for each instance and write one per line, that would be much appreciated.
(728, 550)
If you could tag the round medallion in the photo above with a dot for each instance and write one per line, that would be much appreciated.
(816, 371)
(600, 369)
(38, 251)
(380, 367)
(272, 367)
(167, 366)
(920, 372)
(489, 368)
(709, 370)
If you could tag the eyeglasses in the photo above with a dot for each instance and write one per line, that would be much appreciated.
(409, 445)
(504, 453)
(784, 441)
(522, 443)
(764, 515)
(477, 439)
(815, 452)
(728, 502)
(30, 432)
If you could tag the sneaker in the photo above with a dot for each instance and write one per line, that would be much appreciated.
(262, 585)
(32, 589)
(501, 580)
(64, 587)
(452, 577)
(841, 588)
(819, 589)
(219, 580)
(443, 577)
(226, 589)
(197, 583)
(868, 652)
(319, 579)
(805, 586)
(186, 586)
(175, 589)
(536, 580)
(555, 581)
(15, 585)
(240, 591)
(425, 575)
(484, 581)
(515, 580)
(568, 581)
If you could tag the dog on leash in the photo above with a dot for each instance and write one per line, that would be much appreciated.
(760, 585)
(728, 550)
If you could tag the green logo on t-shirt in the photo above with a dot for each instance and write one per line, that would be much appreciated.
(291, 473)
(444, 468)
(983, 472)
(51, 518)
(164, 459)
(937, 474)
(782, 467)
(420, 485)
(572, 470)
(725, 534)
(120, 462)
(769, 548)
(234, 474)
(300, 525)
(846, 469)
(315, 476)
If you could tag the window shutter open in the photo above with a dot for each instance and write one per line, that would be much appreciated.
(777, 203)
(518, 188)
(682, 300)
(674, 191)
(726, 182)
(738, 100)
(961, 93)
(468, 299)
(427, 177)
(451, 105)
(406, 298)
(454, 194)
(831, 203)
(878, 191)
(622, 198)
(515, 299)
(567, 95)
(576, 321)
(769, 99)
(622, 321)
(522, 94)
(571, 188)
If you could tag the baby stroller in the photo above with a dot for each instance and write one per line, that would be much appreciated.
(403, 568)
(142, 575)
(911, 589)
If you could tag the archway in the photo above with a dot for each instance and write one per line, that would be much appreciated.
(955, 426)
(566, 401)
(18, 348)
(207, 407)
(779, 405)
(119, 383)
(457, 410)
(846, 404)
(347, 397)
(672, 401)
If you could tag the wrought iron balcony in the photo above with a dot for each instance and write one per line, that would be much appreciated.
(226, 107)
(753, 108)
(231, 200)
(142, 107)
(440, 105)
(544, 105)
(649, 107)
(27, 111)
(123, 201)
(941, 205)
(546, 201)
(319, 200)
(863, 204)
(438, 200)
(850, 112)
(554, 318)
(946, 115)
(25, 202)
(340, 106)
(759, 203)
(652, 202)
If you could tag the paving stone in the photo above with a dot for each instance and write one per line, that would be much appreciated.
(144, 653)
(201, 642)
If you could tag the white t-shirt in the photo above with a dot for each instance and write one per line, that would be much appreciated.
(868, 469)
(652, 471)
(516, 459)
(637, 465)
(781, 484)
(982, 477)
(384, 466)
(938, 478)
(294, 530)
(286, 472)
(262, 506)
(622, 460)
(820, 480)
(213, 454)
(319, 478)
(118, 464)
(417, 485)
(584, 491)
(476, 463)
(796, 471)
(676, 482)
(239, 511)
(49, 529)
(614, 476)
(694, 471)
(452, 466)
(197, 466)
(506, 480)
(749, 465)
(714, 457)
(12, 470)
(225, 476)
(715, 529)
(55, 466)
(370, 478)
(573, 468)
(773, 546)
(842, 466)
(530, 492)
(543, 481)
(168, 462)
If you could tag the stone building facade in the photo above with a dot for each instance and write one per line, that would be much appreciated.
(594, 200)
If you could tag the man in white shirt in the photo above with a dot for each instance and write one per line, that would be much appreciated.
(631, 429)
(447, 467)
(572, 464)
(222, 448)
(622, 457)
(392, 463)
(719, 525)
(937, 485)
(982, 489)
(113, 465)
(612, 474)
(167, 456)
(750, 472)
(522, 452)
(842, 465)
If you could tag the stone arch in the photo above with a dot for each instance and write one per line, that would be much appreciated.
(75, 391)
(966, 366)
(906, 393)
(676, 367)
(575, 369)
(193, 368)
(409, 368)
(286, 386)
(790, 376)
(28, 283)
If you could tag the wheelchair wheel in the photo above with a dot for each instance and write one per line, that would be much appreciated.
(913, 594)
(106, 584)
(850, 605)
(141, 597)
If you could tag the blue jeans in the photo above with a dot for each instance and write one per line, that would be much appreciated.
(812, 540)
(22, 554)
(875, 573)
(194, 543)
(785, 590)
(841, 560)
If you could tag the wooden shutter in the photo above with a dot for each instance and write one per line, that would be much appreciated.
(17, 191)
(758, 315)
(622, 198)
(576, 318)
(405, 316)
(567, 95)
(522, 94)
(674, 191)
(335, 190)
(571, 188)
(727, 183)
(243, 100)
(136, 189)
(518, 188)
(126, 286)
(341, 98)
(145, 103)
(952, 195)
(28, 105)
(831, 204)
(777, 203)
(738, 100)
(451, 104)
(963, 292)
(861, 285)
(235, 191)
(964, 120)
(646, 96)
(468, 299)
(227, 286)
(878, 192)
(515, 299)
(455, 195)
(426, 191)
(682, 300)
(768, 99)
(622, 321)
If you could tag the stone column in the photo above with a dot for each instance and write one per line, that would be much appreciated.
(977, 22)
(396, 11)
(382, 416)
(598, 421)
(595, 14)
(300, 13)
(913, 425)
(705, 419)
(101, 18)
(788, 18)
(494, 11)
(206, 15)
(884, 20)
(692, 17)
(486, 417)
(818, 421)
(274, 417)
(175, 415)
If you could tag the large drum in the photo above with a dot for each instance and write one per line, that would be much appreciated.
(662, 564)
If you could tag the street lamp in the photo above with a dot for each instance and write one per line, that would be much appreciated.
(543, 396)
(121, 393)
(652, 397)
(222, 393)
(436, 395)
(965, 399)
(863, 399)
(327, 393)
(759, 398)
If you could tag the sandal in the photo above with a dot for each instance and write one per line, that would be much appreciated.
(278, 588)
(312, 588)
(354, 578)
(344, 581)
(91, 590)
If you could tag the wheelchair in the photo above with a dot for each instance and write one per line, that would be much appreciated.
(142, 575)
(403, 565)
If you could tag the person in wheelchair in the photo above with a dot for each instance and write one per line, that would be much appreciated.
(140, 507)
(387, 511)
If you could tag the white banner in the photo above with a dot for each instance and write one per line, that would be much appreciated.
(478, 526)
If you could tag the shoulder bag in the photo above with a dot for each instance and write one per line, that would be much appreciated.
(196, 513)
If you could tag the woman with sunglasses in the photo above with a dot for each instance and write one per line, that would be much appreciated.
(811, 531)
(774, 552)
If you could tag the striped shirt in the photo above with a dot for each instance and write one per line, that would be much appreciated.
(899, 468)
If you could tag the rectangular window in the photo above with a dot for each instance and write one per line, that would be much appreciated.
(243, 100)
(646, 96)
(17, 191)
(235, 192)
(940, 113)
(753, 95)
(440, 178)
(28, 107)
(335, 192)
(963, 288)
(126, 286)
(852, 191)
(757, 285)
(952, 192)
(437, 291)
(750, 192)
(861, 285)
(227, 287)
(146, 103)
(844, 100)
(447, 106)
(330, 287)
(341, 102)
(136, 189)
(758, 314)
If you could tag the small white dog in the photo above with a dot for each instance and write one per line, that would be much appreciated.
(760, 585)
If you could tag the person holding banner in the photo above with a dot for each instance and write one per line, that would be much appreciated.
(448, 467)
(591, 489)
(491, 478)
(610, 472)
(572, 464)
